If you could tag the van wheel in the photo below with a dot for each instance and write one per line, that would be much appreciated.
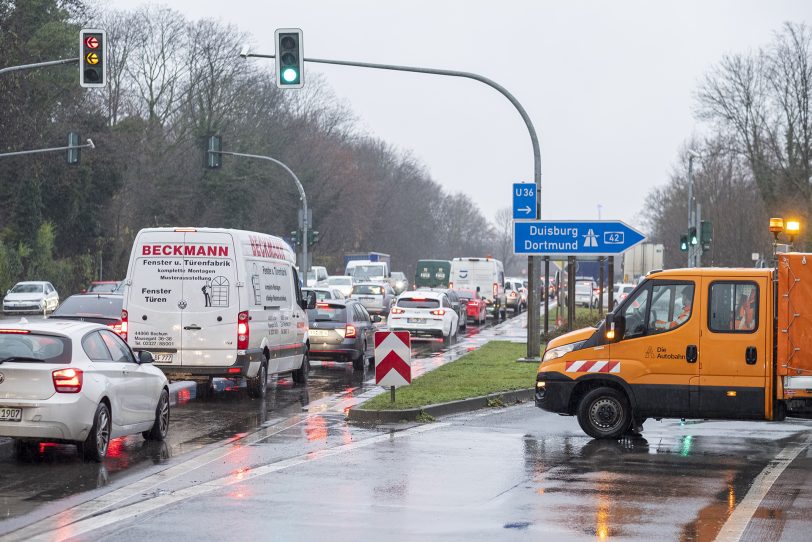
(604, 413)
(258, 386)
(300, 374)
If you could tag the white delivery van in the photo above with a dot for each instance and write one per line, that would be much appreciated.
(210, 302)
(485, 275)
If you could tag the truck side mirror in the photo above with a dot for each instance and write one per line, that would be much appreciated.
(614, 327)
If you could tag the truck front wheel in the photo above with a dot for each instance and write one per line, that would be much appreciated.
(604, 413)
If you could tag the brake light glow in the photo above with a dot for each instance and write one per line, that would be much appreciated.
(438, 312)
(243, 331)
(450, 285)
(350, 332)
(15, 331)
(322, 306)
(186, 229)
(233, 370)
(397, 310)
(495, 289)
(124, 325)
(67, 380)
(512, 294)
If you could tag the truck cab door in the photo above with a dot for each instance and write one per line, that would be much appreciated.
(733, 350)
(656, 355)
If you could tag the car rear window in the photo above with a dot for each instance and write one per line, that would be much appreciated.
(366, 289)
(321, 295)
(325, 312)
(90, 306)
(103, 288)
(418, 303)
(45, 348)
(583, 287)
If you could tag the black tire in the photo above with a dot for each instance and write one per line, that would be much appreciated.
(205, 390)
(160, 427)
(258, 386)
(300, 374)
(359, 363)
(94, 448)
(25, 450)
(604, 413)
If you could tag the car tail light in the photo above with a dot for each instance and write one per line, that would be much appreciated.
(15, 331)
(438, 312)
(450, 285)
(512, 294)
(124, 325)
(68, 380)
(116, 327)
(243, 330)
(397, 310)
(350, 332)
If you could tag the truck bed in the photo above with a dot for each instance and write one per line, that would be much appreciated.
(795, 320)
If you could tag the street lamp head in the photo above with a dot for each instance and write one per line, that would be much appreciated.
(244, 51)
(693, 153)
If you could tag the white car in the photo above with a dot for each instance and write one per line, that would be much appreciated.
(620, 292)
(77, 382)
(424, 313)
(323, 292)
(342, 283)
(32, 296)
(585, 293)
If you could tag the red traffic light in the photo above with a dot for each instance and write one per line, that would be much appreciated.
(91, 42)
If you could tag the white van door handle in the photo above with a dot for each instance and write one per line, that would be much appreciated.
(193, 327)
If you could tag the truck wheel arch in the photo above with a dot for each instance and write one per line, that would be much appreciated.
(590, 382)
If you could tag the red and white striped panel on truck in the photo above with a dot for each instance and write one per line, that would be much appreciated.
(596, 366)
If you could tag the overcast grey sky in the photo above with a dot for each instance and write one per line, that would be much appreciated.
(609, 85)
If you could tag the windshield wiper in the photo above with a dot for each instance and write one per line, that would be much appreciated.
(20, 358)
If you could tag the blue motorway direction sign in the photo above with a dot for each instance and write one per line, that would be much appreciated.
(569, 238)
(525, 198)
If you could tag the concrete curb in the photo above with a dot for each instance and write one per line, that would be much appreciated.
(442, 409)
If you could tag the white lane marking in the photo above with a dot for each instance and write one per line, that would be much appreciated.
(87, 525)
(734, 527)
(140, 487)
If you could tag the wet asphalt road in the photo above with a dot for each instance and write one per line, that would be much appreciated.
(291, 468)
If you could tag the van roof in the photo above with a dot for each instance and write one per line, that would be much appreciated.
(252, 243)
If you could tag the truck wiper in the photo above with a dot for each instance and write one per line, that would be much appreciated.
(20, 358)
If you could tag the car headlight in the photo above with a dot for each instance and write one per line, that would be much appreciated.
(559, 351)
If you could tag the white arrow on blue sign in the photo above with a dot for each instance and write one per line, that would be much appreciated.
(525, 199)
(570, 238)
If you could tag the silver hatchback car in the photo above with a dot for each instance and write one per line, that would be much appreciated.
(376, 297)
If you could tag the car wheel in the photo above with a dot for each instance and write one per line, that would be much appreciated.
(604, 413)
(160, 427)
(360, 362)
(258, 386)
(94, 448)
(300, 374)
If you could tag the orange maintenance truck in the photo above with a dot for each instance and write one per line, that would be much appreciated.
(708, 343)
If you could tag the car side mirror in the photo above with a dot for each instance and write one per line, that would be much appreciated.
(376, 318)
(145, 356)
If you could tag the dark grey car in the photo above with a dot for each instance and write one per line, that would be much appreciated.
(342, 330)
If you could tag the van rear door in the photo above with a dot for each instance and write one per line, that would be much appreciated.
(155, 295)
(211, 300)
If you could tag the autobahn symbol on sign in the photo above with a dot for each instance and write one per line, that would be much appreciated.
(590, 238)
(525, 200)
(393, 358)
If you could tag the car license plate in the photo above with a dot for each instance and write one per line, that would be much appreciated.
(11, 414)
(416, 320)
(162, 358)
(319, 333)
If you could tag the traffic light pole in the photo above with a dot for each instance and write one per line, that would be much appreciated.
(533, 268)
(89, 145)
(305, 267)
(37, 65)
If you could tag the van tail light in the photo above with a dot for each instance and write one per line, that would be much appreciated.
(68, 380)
(450, 285)
(243, 331)
(495, 289)
(438, 312)
(123, 325)
(397, 310)
(350, 332)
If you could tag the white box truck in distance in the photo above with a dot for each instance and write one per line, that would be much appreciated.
(212, 302)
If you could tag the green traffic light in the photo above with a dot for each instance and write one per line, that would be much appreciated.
(290, 75)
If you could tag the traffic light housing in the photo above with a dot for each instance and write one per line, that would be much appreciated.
(72, 157)
(213, 158)
(693, 238)
(313, 237)
(92, 58)
(683, 243)
(706, 234)
(289, 58)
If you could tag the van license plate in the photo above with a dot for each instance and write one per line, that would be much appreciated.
(162, 358)
(11, 414)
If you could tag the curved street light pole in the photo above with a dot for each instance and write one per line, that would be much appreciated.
(534, 314)
(304, 266)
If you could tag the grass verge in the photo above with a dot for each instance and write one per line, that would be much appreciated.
(490, 369)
